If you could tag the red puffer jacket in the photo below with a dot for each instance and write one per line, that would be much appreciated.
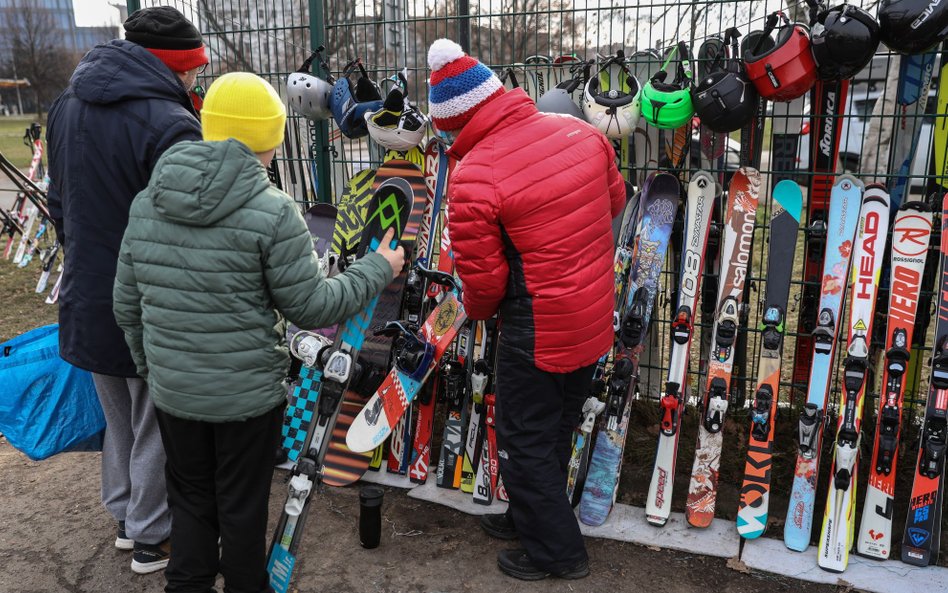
(530, 219)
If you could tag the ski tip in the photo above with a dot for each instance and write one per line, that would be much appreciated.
(788, 194)
(876, 192)
(357, 443)
(795, 544)
(703, 182)
(656, 520)
(847, 182)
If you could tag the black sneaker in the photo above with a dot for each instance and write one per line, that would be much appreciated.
(122, 541)
(498, 525)
(517, 564)
(149, 558)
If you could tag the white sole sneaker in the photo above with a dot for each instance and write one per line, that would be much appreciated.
(148, 567)
(125, 544)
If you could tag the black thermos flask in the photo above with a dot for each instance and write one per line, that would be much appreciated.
(370, 516)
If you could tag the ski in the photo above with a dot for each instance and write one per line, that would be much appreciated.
(635, 299)
(480, 375)
(845, 200)
(455, 391)
(911, 234)
(920, 543)
(389, 208)
(915, 79)
(836, 535)
(579, 458)
(754, 505)
(702, 192)
(828, 105)
(743, 197)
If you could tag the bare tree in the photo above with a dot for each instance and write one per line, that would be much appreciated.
(35, 51)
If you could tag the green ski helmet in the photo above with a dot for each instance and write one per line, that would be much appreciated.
(667, 105)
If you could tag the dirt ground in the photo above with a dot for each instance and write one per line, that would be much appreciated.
(56, 537)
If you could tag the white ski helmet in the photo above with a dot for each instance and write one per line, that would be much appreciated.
(613, 112)
(397, 125)
(308, 94)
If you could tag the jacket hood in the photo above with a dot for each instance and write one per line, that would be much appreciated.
(200, 183)
(501, 112)
(120, 71)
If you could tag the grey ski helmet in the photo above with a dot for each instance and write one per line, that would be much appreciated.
(307, 94)
(559, 99)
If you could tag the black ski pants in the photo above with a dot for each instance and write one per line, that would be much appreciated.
(218, 477)
(536, 412)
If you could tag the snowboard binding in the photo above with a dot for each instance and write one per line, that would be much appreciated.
(760, 413)
(412, 354)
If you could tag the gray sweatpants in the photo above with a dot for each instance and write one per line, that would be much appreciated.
(133, 460)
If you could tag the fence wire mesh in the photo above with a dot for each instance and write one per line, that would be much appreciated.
(538, 40)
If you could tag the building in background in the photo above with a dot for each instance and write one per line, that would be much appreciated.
(40, 42)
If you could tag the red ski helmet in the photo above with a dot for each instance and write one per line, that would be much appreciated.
(786, 71)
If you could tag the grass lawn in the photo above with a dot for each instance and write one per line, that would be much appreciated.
(23, 309)
(11, 139)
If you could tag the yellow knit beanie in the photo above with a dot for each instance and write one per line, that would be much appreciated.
(245, 107)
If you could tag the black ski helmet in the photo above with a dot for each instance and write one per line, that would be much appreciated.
(913, 26)
(843, 39)
(725, 99)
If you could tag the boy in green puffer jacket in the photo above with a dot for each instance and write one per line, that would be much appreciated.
(214, 260)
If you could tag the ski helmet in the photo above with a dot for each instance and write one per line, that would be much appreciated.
(559, 99)
(844, 39)
(786, 71)
(352, 96)
(913, 26)
(613, 111)
(308, 94)
(668, 105)
(398, 125)
(711, 56)
(725, 99)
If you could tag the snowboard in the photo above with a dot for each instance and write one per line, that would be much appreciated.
(661, 196)
(416, 356)
(389, 208)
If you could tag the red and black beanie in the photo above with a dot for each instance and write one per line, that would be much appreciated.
(167, 34)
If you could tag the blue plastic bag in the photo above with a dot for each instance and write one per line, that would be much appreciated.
(47, 406)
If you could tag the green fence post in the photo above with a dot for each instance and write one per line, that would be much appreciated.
(464, 25)
(320, 130)
(133, 5)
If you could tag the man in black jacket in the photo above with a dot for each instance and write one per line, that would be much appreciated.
(127, 102)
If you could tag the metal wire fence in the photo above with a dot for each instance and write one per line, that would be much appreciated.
(525, 36)
(538, 40)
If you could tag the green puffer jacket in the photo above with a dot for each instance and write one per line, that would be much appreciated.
(212, 255)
